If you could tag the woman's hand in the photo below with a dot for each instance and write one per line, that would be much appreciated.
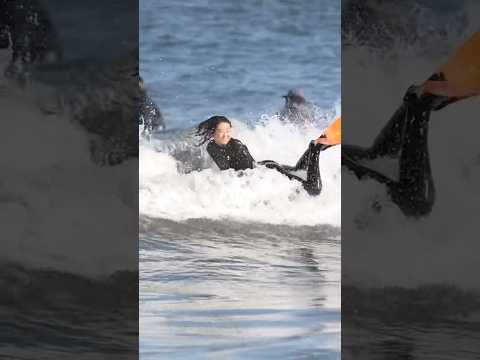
(448, 89)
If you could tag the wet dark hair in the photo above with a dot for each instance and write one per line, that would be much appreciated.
(206, 129)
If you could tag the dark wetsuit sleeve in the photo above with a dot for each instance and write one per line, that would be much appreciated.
(309, 162)
(219, 156)
(241, 159)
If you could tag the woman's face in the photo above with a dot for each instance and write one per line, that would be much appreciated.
(223, 133)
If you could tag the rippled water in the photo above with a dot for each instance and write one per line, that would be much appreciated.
(238, 57)
(242, 291)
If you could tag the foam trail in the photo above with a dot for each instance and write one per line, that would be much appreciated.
(261, 195)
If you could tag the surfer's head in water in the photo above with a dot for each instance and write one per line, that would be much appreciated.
(294, 96)
(216, 128)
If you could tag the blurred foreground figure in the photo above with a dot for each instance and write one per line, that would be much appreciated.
(150, 116)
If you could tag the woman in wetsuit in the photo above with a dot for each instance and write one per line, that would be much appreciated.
(230, 153)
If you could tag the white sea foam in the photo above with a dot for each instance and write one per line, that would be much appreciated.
(260, 195)
(57, 208)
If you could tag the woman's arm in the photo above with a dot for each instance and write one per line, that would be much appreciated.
(242, 158)
(219, 156)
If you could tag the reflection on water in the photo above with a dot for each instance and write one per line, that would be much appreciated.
(212, 289)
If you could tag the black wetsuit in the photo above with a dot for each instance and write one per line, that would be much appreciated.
(235, 155)
(404, 138)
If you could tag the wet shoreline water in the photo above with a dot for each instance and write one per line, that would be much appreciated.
(259, 290)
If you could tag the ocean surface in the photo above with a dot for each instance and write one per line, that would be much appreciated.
(238, 267)
(238, 58)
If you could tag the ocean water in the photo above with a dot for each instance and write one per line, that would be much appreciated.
(235, 267)
(238, 58)
(232, 290)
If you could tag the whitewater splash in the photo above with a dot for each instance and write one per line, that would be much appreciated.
(260, 195)
(57, 207)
